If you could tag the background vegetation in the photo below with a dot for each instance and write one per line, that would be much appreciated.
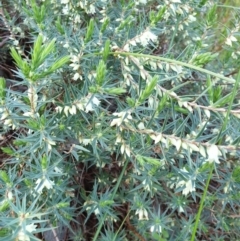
(119, 120)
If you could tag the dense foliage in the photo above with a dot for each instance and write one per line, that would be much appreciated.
(119, 120)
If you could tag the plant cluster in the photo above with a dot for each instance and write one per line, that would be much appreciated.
(119, 120)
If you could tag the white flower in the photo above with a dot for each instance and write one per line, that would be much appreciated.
(50, 143)
(126, 47)
(79, 105)
(58, 170)
(189, 187)
(77, 19)
(75, 66)
(96, 211)
(141, 126)
(124, 116)
(191, 18)
(29, 114)
(59, 109)
(180, 209)
(43, 182)
(16, 42)
(234, 56)
(66, 45)
(156, 138)
(75, 58)
(156, 228)
(9, 122)
(227, 188)
(94, 206)
(230, 39)
(24, 237)
(77, 76)
(64, 1)
(213, 154)
(125, 148)
(5, 114)
(92, 9)
(89, 106)
(142, 214)
(10, 195)
(73, 110)
(118, 139)
(65, 10)
(93, 101)
(84, 141)
(66, 109)
(146, 186)
(146, 37)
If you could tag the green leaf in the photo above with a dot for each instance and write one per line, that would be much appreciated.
(155, 18)
(38, 12)
(5, 231)
(4, 205)
(205, 167)
(217, 93)
(223, 101)
(214, 93)
(181, 110)
(162, 103)
(8, 150)
(212, 15)
(28, 183)
(104, 25)
(106, 50)
(18, 59)
(115, 91)
(4, 176)
(236, 174)
(202, 3)
(2, 88)
(58, 64)
(126, 22)
(33, 124)
(106, 203)
(37, 49)
(81, 148)
(89, 30)
(150, 160)
(203, 59)
(19, 143)
(210, 89)
(47, 49)
(131, 102)
(44, 162)
(101, 72)
(148, 90)
(62, 205)
(59, 26)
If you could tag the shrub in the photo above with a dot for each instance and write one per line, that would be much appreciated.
(121, 121)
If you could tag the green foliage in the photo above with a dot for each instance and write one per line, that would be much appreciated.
(2, 89)
(121, 121)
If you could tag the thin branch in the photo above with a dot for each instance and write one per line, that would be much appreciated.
(177, 62)
(3, 42)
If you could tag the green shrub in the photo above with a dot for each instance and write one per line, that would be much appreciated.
(122, 122)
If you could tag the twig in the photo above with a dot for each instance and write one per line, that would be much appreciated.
(3, 42)
(7, 70)
(132, 228)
